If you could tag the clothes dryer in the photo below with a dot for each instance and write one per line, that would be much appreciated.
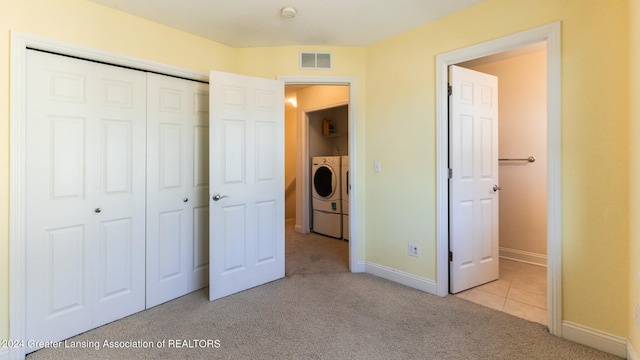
(326, 196)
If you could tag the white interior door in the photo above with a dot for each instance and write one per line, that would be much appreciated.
(247, 182)
(177, 188)
(473, 186)
(85, 179)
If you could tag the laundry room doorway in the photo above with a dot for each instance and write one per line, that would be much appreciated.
(319, 121)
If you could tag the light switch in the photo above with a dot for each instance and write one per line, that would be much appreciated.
(376, 166)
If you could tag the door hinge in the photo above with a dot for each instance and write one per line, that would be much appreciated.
(449, 89)
(450, 173)
(450, 256)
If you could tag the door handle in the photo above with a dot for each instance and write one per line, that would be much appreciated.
(496, 188)
(217, 197)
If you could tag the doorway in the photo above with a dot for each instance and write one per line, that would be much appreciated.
(303, 163)
(521, 287)
(317, 123)
(550, 35)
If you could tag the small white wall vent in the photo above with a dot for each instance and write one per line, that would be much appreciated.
(316, 60)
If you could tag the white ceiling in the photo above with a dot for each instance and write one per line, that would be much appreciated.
(255, 23)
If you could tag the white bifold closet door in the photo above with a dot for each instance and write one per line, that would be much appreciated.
(177, 187)
(116, 193)
(84, 194)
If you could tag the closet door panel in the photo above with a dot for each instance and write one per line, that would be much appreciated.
(177, 188)
(170, 246)
(85, 234)
(58, 197)
(119, 230)
(67, 151)
(200, 150)
(65, 284)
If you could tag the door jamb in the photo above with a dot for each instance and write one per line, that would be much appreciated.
(303, 161)
(551, 35)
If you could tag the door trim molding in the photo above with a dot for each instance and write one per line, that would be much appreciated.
(303, 166)
(20, 42)
(550, 34)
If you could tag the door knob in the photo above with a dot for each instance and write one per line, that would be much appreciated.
(217, 197)
(496, 188)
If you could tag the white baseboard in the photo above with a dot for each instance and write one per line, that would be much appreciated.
(523, 256)
(631, 353)
(403, 278)
(596, 339)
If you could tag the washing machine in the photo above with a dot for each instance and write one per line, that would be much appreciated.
(326, 196)
(344, 174)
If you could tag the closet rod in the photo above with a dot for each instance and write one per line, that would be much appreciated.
(529, 159)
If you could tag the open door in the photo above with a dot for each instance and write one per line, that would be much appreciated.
(473, 183)
(246, 174)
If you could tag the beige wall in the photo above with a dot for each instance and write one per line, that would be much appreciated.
(522, 89)
(634, 248)
(595, 147)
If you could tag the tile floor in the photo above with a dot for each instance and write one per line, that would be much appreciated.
(521, 291)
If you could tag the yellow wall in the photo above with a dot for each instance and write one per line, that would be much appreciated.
(595, 146)
(634, 213)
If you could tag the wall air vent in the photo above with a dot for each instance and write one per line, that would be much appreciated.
(316, 60)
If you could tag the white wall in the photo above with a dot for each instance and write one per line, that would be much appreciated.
(522, 133)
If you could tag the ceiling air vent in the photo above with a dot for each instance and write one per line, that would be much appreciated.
(315, 60)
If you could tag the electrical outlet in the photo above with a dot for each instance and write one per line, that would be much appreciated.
(413, 250)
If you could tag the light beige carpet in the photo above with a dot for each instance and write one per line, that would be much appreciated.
(319, 311)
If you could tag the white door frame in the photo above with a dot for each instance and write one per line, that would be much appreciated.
(551, 35)
(303, 188)
(17, 210)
